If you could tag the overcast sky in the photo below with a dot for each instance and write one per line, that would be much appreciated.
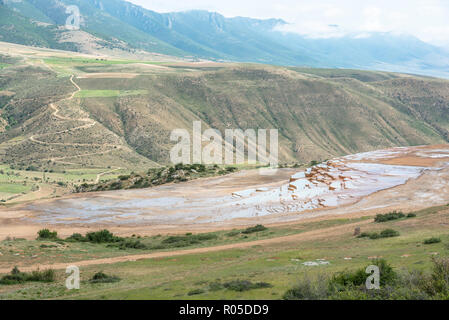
(425, 19)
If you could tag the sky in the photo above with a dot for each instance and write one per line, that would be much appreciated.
(426, 19)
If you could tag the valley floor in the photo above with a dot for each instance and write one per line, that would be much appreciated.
(173, 263)
(406, 179)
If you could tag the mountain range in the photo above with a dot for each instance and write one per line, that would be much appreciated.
(120, 26)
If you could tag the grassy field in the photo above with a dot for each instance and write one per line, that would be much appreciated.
(200, 276)
(14, 183)
(13, 188)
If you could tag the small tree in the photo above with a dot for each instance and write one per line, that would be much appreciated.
(46, 234)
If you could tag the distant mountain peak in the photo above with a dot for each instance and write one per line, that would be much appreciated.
(210, 35)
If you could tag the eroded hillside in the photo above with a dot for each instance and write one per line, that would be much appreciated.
(74, 111)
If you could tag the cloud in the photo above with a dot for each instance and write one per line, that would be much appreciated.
(425, 19)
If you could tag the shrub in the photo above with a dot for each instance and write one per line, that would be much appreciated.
(101, 277)
(17, 277)
(195, 292)
(76, 237)
(371, 235)
(388, 233)
(389, 216)
(42, 276)
(432, 240)
(131, 244)
(438, 283)
(346, 279)
(245, 285)
(233, 233)
(414, 285)
(411, 215)
(44, 246)
(215, 286)
(358, 278)
(309, 289)
(257, 228)
(46, 234)
(103, 236)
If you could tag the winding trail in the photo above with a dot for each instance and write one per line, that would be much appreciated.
(89, 123)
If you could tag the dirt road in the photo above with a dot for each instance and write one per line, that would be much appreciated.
(305, 236)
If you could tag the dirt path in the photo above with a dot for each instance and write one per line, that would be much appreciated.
(104, 173)
(88, 124)
(309, 235)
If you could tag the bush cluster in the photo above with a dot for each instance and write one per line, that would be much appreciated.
(17, 277)
(101, 277)
(46, 234)
(258, 228)
(387, 233)
(392, 216)
(350, 285)
(432, 240)
(238, 285)
(185, 240)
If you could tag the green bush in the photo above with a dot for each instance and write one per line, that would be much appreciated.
(103, 236)
(46, 234)
(215, 286)
(358, 278)
(195, 292)
(131, 244)
(349, 285)
(438, 284)
(101, 277)
(432, 240)
(245, 285)
(309, 289)
(76, 237)
(257, 228)
(411, 215)
(18, 277)
(389, 216)
(233, 233)
(387, 233)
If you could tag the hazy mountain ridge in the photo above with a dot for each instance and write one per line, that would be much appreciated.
(208, 35)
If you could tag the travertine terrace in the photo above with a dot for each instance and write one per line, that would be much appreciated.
(357, 184)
